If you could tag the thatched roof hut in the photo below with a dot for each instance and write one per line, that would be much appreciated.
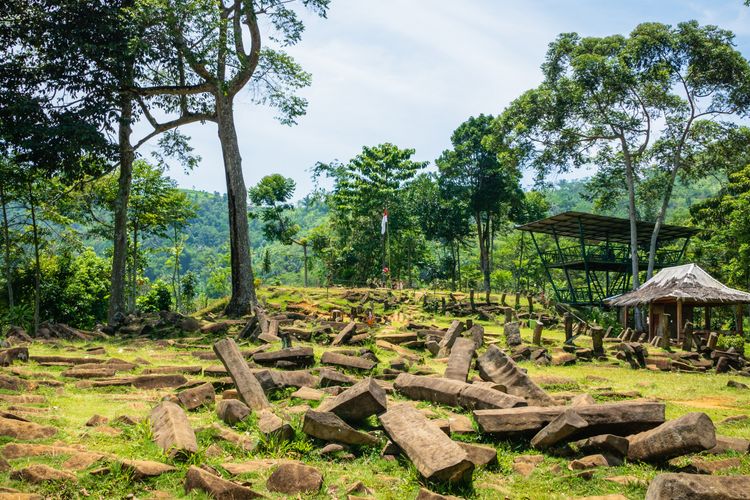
(678, 288)
(688, 284)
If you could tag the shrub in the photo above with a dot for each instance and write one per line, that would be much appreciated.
(726, 341)
(157, 299)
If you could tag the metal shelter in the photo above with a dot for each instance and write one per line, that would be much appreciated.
(590, 259)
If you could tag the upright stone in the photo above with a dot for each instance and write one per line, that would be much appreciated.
(476, 332)
(435, 456)
(512, 333)
(357, 402)
(563, 426)
(597, 338)
(538, 333)
(248, 387)
(460, 359)
(172, 431)
(495, 366)
(450, 338)
(690, 433)
(672, 486)
(568, 322)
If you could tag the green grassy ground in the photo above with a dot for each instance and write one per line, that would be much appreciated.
(69, 407)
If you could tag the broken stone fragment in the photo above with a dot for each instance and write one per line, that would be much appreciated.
(690, 433)
(196, 397)
(232, 411)
(358, 402)
(172, 431)
(672, 486)
(294, 478)
(200, 479)
(329, 427)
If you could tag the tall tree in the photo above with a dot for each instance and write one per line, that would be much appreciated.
(372, 182)
(210, 37)
(271, 195)
(709, 80)
(592, 107)
(485, 180)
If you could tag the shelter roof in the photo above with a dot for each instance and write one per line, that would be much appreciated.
(687, 283)
(603, 228)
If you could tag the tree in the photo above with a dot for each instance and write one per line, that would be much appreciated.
(271, 195)
(591, 108)
(708, 79)
(441, 218)
(483, 178)
(155, 207)
(371, 183)
(210, 37)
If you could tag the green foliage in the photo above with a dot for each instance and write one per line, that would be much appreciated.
(158, 298)
(189, 290)
(725, 342)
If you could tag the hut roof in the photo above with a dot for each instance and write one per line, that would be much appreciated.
(688, 283)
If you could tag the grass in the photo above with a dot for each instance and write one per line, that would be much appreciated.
(70, 407)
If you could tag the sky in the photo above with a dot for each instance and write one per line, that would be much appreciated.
(410, 71)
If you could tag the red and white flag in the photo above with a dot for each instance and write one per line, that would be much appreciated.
(384, 222)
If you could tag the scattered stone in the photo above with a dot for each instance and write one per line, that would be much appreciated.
(232, 411)
(23, 430)
(345, 334)
(270, 424)
(446, 343)
(40, 473)
(349, 362)
(169, 370)
(294, 478)
(734, 419)
(96, 420)
(248, 387)
(196, 397)
(582, 399)
(298, 356)
(158, 381)
(589, 462)
(563, 426)
(218, 488)
(626, 480)
(712, 466)
(479, 455)
(358, 402)
(737, 385)
(725, 443)
(690, 433)
(425, 494)
(460, 359)
(603, 443)
(172, 431)
(673, 486)
(495, 366)
(610, 418)
(102, 372)
(330, 377)
(512, 332)
(329, 427)
(453, 392)
(460, 424)
(308, 394)
(433, 453)
(331, 448)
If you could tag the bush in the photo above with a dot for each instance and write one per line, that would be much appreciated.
(157, 299)
(726, 341)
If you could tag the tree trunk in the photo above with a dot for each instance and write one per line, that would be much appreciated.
(632, 215)
(304, 250)
(37, 268)
(120, 238)
(243, 288)
(483, 236)
(6, 238)
(134, 277)
(659, 222)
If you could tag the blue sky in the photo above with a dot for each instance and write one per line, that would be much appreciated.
(410, 71)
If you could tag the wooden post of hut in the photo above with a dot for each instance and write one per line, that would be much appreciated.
(679, 320)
